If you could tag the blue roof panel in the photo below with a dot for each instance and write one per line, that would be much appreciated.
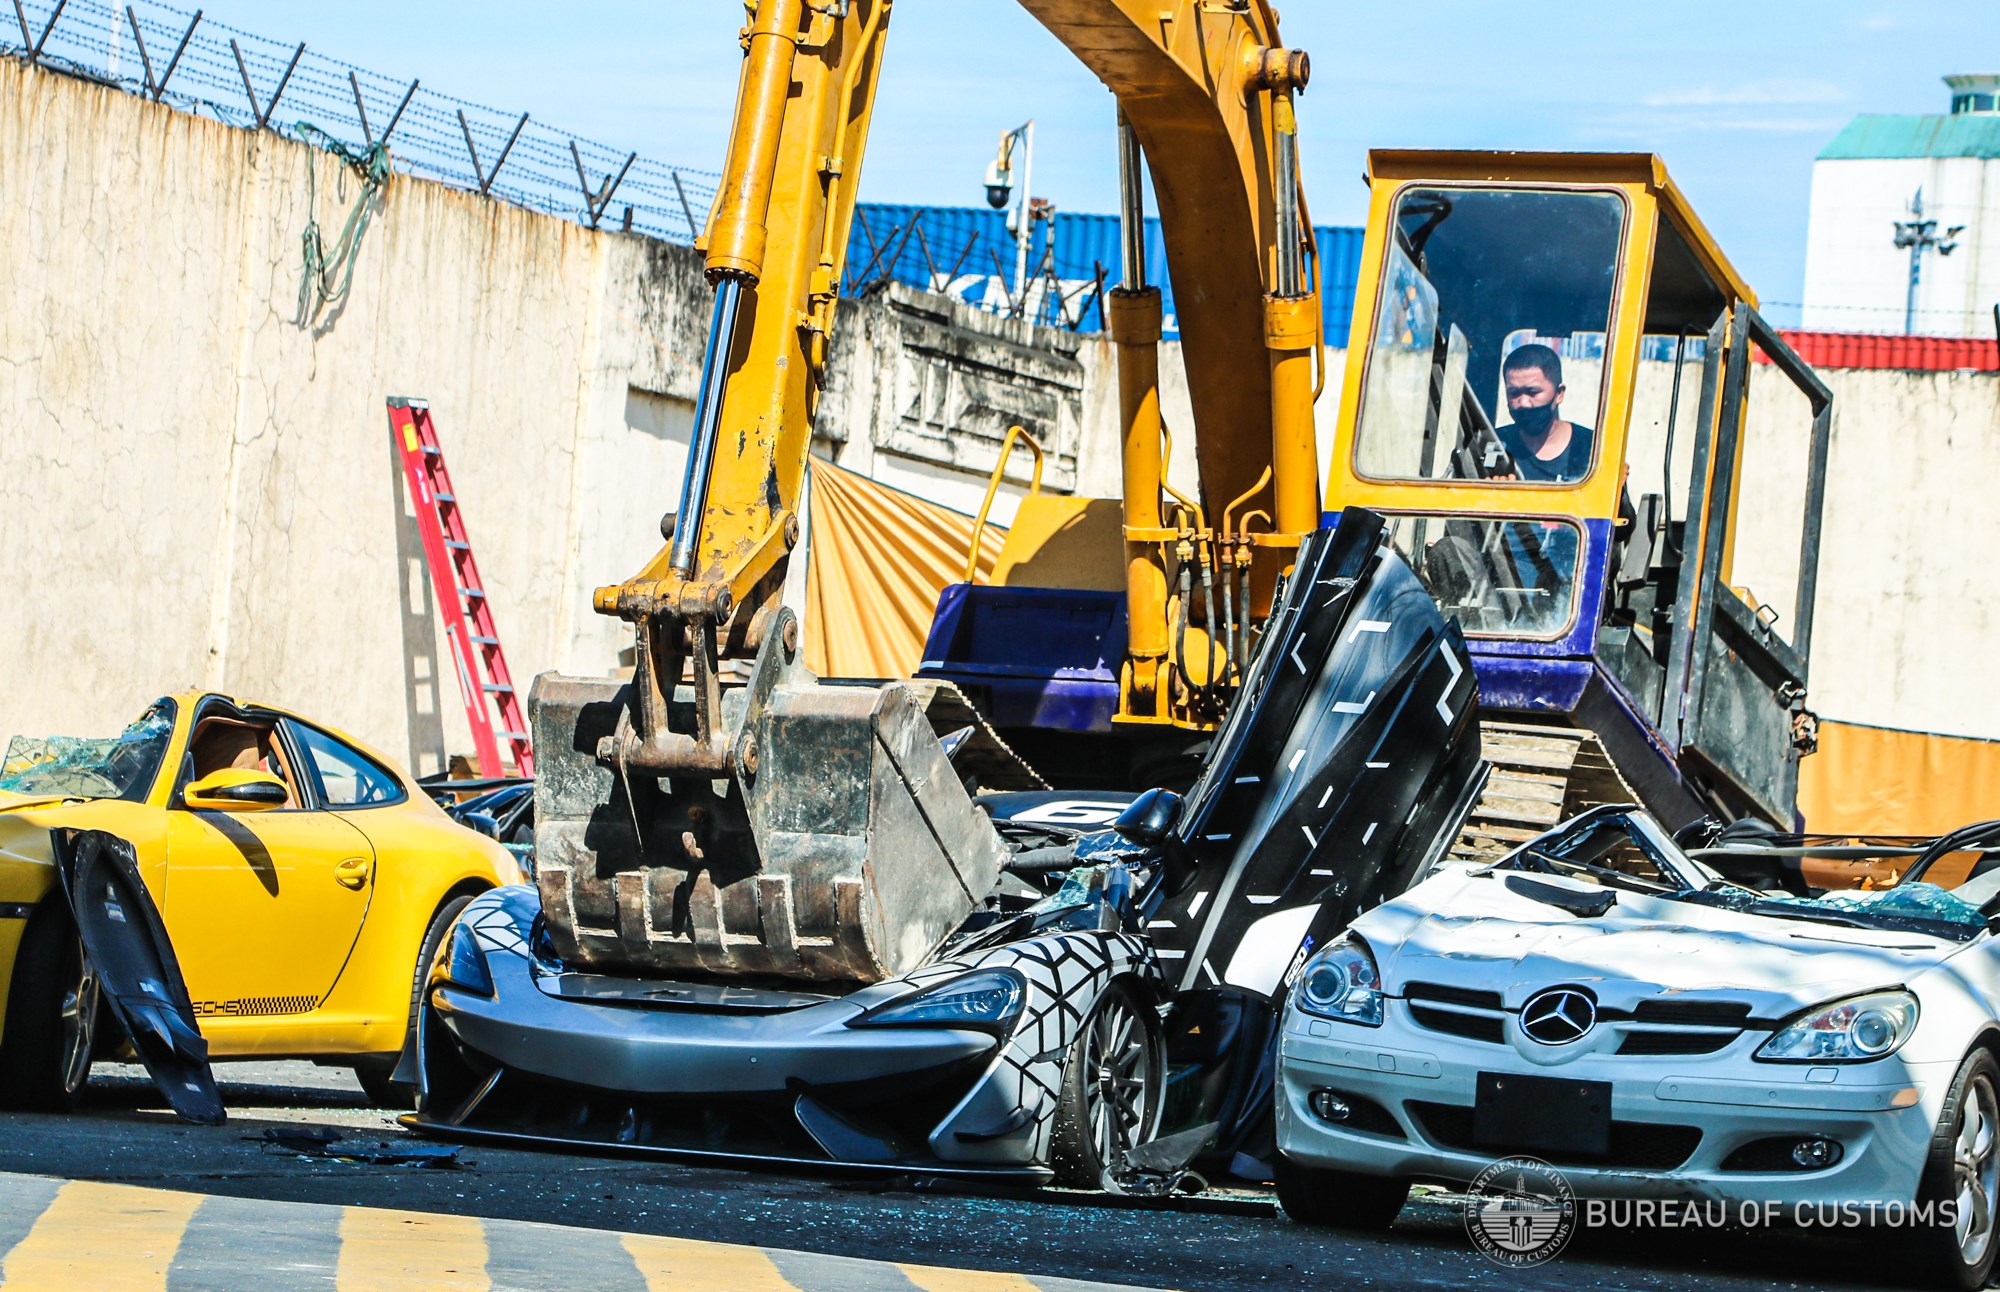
(968, 253)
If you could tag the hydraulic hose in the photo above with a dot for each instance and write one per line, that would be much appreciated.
(707, 422)
(1212, 689)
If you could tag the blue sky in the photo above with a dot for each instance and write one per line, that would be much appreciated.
(1738, 96)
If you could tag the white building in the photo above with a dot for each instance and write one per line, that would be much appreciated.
(1866, 184)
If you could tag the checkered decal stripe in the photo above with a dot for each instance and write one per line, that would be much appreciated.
(255, 1006)
(499, 916)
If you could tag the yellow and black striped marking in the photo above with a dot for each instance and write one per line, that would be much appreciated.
(69, 1234)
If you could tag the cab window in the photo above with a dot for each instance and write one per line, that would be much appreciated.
(1495, 576)
(346, 776)
(1487, 361)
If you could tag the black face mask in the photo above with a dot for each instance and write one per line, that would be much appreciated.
(1536, 420)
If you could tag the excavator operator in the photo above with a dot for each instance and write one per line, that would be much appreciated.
(1544, 447)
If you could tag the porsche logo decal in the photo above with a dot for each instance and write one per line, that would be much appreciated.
(255, 1006)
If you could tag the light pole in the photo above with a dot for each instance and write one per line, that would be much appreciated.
(999, 185)
(1921, 235)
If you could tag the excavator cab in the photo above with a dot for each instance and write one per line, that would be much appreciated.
(1555, 385)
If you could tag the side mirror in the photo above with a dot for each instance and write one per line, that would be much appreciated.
(1148, 818)
(235, 790)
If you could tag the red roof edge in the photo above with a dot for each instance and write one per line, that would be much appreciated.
(1896, 351)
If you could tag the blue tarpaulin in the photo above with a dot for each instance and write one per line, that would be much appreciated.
(967, 252)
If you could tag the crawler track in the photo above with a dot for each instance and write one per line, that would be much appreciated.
(1541, 775)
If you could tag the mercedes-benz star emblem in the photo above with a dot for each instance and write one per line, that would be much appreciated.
(1558, 1016)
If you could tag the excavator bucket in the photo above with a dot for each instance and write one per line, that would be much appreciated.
(843, 848)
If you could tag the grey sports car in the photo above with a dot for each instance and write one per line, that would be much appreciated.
(1117, 984)
(1031, 1045)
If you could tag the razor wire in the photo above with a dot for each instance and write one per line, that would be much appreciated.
(186, 60)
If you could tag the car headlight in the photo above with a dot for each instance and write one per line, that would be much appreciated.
(1341, 982)
(464, 963)
(987, 999)
(1847, 1031)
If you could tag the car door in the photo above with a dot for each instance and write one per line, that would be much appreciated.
(263, 906)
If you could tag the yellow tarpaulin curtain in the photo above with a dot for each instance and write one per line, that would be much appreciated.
(1878, 780)
(879, 558)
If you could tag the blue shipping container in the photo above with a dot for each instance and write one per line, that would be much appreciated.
(967, 252)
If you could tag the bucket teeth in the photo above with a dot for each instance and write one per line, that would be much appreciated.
(849, 854)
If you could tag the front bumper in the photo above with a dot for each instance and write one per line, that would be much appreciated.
(793, 1084)
(675, 1052)
(1683, 1126)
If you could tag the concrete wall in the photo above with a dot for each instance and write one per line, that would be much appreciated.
(1908, 607)
(197, 489)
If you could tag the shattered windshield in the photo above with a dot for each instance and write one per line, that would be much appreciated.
(1914, 908)
(1629, 851)
(122, 767)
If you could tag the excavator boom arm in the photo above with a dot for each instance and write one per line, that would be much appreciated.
(783, 827)
(1206, 88)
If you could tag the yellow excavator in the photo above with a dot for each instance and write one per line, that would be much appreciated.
(772, 921)
(726, 812)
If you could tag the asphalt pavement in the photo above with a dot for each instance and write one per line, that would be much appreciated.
(1003, 1240)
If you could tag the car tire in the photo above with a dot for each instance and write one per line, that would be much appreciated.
(374, 1073)
(1963, 1167)
(1112, 1081)
(1313, 1195)
(376, 1077)
(53, 1018)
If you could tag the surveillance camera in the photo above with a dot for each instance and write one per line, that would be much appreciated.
(999, 185)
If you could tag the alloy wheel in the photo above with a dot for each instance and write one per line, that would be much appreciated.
(80, 1003)
(1121, 1079)
(1976, 1168)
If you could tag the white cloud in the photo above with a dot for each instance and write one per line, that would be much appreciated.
(1779, 125)
(1775, 90)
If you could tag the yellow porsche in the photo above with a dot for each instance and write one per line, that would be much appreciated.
(302, 878)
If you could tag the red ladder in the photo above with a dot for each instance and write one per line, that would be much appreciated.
(468, 617)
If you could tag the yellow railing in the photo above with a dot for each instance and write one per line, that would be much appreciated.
(993, 487)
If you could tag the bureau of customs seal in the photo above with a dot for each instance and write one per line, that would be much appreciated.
(1520, 1211)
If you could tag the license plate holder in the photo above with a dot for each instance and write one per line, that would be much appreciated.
(1542, 1114)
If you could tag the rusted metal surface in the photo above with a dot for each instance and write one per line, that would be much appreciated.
(839, 845)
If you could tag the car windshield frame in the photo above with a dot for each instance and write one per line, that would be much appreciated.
(129, 764)
(1547, 854)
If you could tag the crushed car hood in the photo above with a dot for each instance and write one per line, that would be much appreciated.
(1466, 929)
(10, 801)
